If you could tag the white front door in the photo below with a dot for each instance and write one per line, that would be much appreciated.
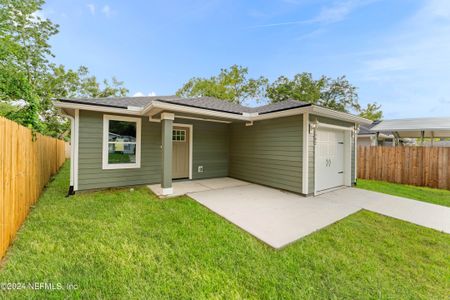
(329, 158)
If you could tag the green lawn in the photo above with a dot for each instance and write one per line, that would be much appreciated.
(122, 244)
(435, 196)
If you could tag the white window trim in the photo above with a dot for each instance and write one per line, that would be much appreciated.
(105, 164)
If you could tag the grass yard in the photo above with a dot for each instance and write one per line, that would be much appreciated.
(435, 196)
(123, 245)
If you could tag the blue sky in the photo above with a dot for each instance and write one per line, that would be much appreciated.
(397, 52)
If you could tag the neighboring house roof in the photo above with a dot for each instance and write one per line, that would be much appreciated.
(199, 102)
(431, 127)
(367, 130)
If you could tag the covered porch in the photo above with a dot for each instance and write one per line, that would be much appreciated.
(194, 151)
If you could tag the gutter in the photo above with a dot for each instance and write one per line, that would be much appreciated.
(245, 116)
(71, 190)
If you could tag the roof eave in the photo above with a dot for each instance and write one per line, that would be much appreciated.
(101, 108)
(340, 115)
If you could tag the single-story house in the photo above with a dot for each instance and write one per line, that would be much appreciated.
(367, 137)
(417, 128)
(289, 145)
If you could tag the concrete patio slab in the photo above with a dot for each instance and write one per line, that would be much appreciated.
(279, 218)
(183, 187)
(273, 216)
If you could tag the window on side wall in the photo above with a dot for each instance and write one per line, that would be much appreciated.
(121, 142)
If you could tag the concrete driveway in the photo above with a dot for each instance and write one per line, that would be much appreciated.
(279, 218)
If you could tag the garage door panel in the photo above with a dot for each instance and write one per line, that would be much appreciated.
(330, 158)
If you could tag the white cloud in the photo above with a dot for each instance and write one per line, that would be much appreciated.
(410, 66)
(107, 10)
(141, 94)
(422, 43)
(339, 11)
(334, 13)
(91, 8)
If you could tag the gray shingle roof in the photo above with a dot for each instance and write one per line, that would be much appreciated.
(210, 103)
(119, 102)
(367, 129)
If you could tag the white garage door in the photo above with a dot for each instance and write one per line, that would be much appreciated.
(329, 158)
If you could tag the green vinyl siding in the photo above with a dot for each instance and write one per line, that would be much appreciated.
(210, 150)
(90, 172)
(269, 152)
(326, 120)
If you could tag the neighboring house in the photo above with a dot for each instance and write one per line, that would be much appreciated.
(290, 145)
(416, 129)
(368, 137)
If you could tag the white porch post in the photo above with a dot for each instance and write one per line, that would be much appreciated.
(166, 145)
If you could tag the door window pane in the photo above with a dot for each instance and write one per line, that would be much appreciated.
(179, 135)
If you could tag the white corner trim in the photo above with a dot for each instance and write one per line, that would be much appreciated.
(191, 138)
(167, 116)
(76, 148)
(305, 162)
(355, 141)
(167, 191)
(348, 158)
(105, 164)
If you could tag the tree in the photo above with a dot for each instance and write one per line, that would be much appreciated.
(231, 84)
(336, 94)
(26, 72)
(372, 112)
(62, 83)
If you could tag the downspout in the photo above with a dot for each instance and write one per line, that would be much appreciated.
(72, 153)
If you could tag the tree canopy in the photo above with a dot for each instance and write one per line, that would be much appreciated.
(27, 72)
(230, 84)
(234, 85)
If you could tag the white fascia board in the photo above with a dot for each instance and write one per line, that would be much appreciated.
(125, 111)
(195, 110)
(249, 117)
(326, 112)
(283, 113)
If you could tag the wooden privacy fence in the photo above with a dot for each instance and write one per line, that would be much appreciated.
(26, 165)
(421, 166)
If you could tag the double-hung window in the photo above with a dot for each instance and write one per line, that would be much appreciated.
(121, 142)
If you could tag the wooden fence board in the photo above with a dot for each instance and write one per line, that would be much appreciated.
(420, 166)
(26, 165)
